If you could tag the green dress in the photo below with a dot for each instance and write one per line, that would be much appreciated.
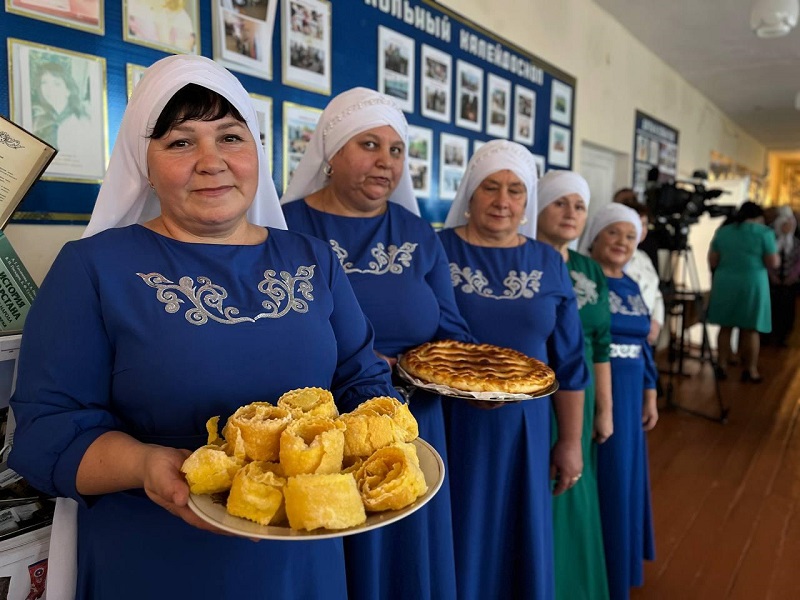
(740, 288)
(578, 536)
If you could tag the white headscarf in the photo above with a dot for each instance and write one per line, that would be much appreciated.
(494, 156)
(348, 114)
(785, 241)
(125, 197)
(613, 212)
(557, 184)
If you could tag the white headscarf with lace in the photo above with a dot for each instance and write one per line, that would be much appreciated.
(557, 184)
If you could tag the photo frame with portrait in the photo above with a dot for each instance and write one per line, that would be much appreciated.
(263, 106)
(436, 82)
(133, 74)
(299, 122)
(306, 45)
(498, 106)
(524, 115)
(86, 15)
(60, 96)
(561, 103)
(170, 27)
(242, 35)
(420, 159)
(396, 59)
(541, 165)
(453, 157)
(469, 96)
(558, 149)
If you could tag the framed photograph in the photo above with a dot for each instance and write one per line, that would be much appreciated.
(524, 115)
(306, 45)
(476, 145)
(242, 35)
(541, 165)
(469, 96)
(498, 109)
(168, 26)
(653, 154)
(86, 15)
(452, 164)
(561, 103)
(133, 73)
(396, 67)
(60, 97)
(558, 150)
(299, 122)
(642, 148)
(263, 106)
(420, 159)
(437, 81)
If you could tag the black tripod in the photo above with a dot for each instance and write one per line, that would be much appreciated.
(685, 305)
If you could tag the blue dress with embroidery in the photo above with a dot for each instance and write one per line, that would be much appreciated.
(399, 273)
(623, 482)
(136, 332)
(521, 298)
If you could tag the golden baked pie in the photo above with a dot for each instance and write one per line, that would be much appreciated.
(477, 368)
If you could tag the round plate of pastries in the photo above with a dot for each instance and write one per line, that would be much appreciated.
(299, 470)
(476, 371)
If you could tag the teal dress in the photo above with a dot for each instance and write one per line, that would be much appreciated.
(577, 531)
(740, 288)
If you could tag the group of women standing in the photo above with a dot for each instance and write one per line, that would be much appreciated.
(192, 299)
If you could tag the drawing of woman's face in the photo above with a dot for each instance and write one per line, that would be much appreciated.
(54, 91)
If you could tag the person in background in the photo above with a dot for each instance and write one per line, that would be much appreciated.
(189, 299)
(515, 292)
(739, 255)
(783, 280)
(623, 480)
(353, 189)
(580, 564)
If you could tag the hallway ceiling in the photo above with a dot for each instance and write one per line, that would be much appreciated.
(709, 43)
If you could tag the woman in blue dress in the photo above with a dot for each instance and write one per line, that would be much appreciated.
(516, 292)
(187, 299)
(353, 190)
(623, 481)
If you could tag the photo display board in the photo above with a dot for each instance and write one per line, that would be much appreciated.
(458, 84)
(655, 144)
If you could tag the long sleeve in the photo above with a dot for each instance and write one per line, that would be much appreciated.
(650, 372)
(601, 341)
(451, 324)
(565, 346)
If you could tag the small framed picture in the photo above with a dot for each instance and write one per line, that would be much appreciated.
(306, 45)
(540, 165)
(167, 26)
(420, 159)
(642, 148)
(299, 122)
(498, 109)
(561, 103)
(452, 164)
(243, 31)
(60, 97)
(396, 67)
(437, 80)
(469, 96)
(476, 145)
(133, 73)
(263, 106)
(524, 115)
(558, 152)
(86, 15)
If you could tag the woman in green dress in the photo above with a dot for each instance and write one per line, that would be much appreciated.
(563, 199)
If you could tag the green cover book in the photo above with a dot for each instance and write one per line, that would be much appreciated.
(17, 289)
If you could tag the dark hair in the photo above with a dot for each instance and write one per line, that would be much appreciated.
(633, 203)
(748, 210)
(57, 69)
(193, 103)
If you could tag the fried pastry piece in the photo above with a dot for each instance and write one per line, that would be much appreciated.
(210, 470)
(310, 401)
(331, 501)
(391, 478)
(312, 445)
(376, 423)
(254, 431)
(257, 493)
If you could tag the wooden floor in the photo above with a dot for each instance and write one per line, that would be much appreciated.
(726, 497)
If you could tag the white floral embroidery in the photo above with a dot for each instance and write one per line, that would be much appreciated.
(585, 289)
(625, 350)
(386, 261)
(522, 285)
(635, 307)
(207, 299)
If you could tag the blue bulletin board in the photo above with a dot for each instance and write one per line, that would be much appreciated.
(459, 84)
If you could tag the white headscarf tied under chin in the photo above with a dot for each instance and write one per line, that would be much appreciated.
(557, 184)
(613, 212)
(348, 114)
(125, 197)
(494, 156)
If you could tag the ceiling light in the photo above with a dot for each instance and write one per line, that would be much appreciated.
(774, 18)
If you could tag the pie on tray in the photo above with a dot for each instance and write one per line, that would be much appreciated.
(477, 368)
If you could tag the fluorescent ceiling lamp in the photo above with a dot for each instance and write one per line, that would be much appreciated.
(774, 18)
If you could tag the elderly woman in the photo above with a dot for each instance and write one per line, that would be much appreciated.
(189, 300)
(514, 292)
(563, 200)
(353, 189)
(783, 280)
(622, 472)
